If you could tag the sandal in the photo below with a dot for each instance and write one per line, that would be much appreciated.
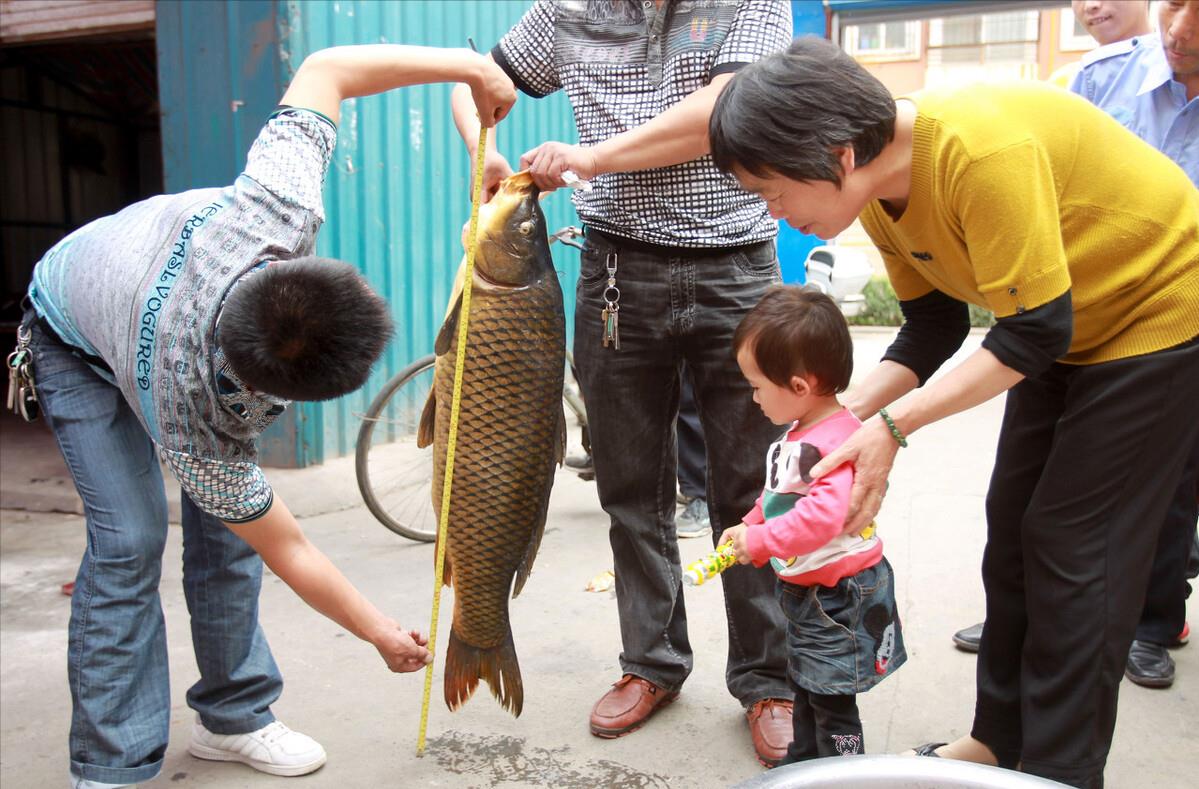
(930, 749)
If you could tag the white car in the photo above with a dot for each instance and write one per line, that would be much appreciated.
(840, 272)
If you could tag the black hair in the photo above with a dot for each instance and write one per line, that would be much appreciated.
(796, 331)
(791, 112)
(304, 329)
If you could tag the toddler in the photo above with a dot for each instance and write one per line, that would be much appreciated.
(836, 590)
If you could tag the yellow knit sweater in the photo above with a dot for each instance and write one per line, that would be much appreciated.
(1022, 191)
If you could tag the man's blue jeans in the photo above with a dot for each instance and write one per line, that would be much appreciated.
(675, 309)
(117, 650)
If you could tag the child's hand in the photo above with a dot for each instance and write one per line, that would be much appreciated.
(402, 650)
(736, 535)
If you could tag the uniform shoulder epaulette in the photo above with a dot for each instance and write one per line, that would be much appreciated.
(1110, 51)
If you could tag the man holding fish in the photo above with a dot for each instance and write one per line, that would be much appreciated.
(675, 255)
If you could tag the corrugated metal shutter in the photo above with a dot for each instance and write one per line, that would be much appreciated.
(398, 191)
(26, 21)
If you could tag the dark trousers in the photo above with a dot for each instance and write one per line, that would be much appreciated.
(693, 462)
(675, 309)
(824, 725)
(1165, 611)
(1087, 462)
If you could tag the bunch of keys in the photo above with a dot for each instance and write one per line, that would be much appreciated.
(22, 396)
(610, 314)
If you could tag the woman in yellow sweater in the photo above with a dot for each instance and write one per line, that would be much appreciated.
(1084, 242)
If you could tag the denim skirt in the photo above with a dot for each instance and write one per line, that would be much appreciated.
(845, 638)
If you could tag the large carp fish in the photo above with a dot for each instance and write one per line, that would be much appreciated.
(511, 434)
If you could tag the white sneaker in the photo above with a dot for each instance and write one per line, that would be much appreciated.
(83, 783)
(273, 749)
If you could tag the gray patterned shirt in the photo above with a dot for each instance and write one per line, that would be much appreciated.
(142, 289)
(624, 63)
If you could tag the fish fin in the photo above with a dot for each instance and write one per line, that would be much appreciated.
(445, 337)
(559, 453)
(447, 566)
(466, 664)
(560, 439)
(526, 564)
(428, 421)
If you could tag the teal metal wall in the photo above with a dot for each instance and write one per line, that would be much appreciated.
(219, 76)
(398, 192)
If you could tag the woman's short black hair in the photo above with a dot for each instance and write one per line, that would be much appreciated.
(795, 331)
(792, 112)
(304, 329)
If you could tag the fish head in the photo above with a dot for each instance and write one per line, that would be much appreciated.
(513, 246)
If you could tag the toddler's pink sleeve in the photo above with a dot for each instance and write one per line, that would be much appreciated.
(814, 520)
(754, 516)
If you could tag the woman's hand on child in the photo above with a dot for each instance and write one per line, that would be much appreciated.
(736, 535)
(871, 451)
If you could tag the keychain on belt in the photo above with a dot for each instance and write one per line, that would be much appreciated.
(22, 394)
(610, 314)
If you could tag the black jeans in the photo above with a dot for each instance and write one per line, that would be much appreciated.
(693, 461)
(674, 309)
(1088, 460)
(824, 725)
(1165, 611)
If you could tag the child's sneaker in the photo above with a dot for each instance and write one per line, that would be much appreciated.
(1183, 637)
(273, 749)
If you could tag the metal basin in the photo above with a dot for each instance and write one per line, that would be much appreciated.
(893, 772)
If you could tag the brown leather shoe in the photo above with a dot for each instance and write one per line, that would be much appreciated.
(770, 727)
(629, 704)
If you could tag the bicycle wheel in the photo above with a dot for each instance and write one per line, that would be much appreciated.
(394, 476)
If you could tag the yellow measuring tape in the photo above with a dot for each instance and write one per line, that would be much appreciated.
(455, 407)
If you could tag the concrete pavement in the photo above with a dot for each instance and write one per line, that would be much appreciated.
(339, 692)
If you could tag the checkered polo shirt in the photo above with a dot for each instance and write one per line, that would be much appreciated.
(622, 63)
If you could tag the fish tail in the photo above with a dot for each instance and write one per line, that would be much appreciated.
(465, 665)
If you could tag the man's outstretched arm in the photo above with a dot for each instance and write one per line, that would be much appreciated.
(284, 548)
(328, 76)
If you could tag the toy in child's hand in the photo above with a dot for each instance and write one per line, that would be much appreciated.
(712, 565)
(703, 570)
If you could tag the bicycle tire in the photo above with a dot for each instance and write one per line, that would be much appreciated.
(400, 501)
(412, 516)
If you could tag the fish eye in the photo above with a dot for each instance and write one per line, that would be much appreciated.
(525, 228)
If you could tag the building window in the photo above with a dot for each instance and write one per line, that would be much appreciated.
(1075, 37)
(983, 47)
(883, 41)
